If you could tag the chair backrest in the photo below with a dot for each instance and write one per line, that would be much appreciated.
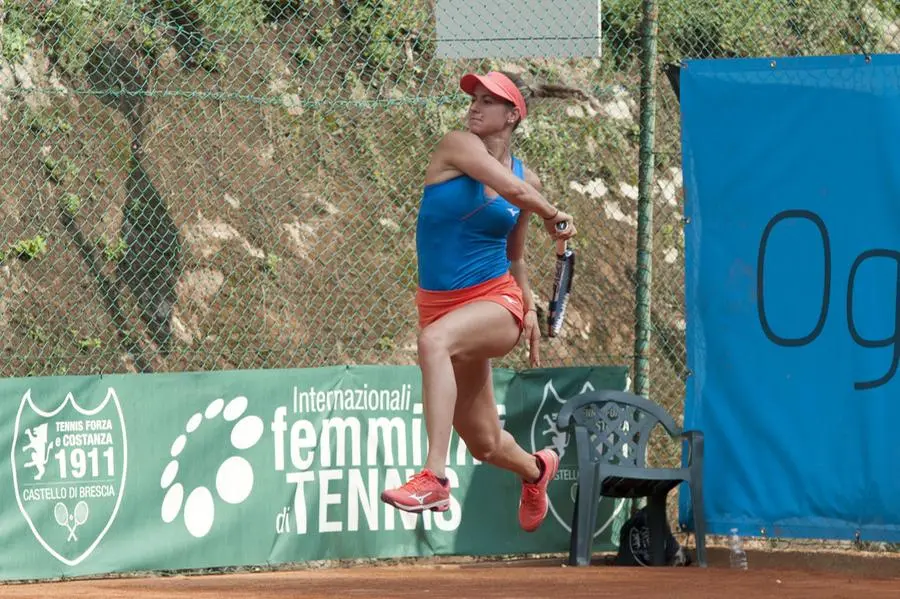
(617, 423)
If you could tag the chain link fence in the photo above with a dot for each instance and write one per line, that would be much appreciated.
(232, 184)
(195, 185)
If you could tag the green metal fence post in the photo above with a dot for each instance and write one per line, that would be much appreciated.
(644, 273)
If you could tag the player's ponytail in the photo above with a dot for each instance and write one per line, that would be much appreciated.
(540, 91)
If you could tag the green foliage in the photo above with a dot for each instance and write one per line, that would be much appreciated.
(383, 27)
(116, 15)
(889, 8)
(318, 39)
(189, 22)
(75, 27)
(386, 344)
(89, 343)
(71, 25)
(46, 122)
(270, 265)
(62, 170)
(228, 17)
(737, 28)
(18, 28)
(621, 27)
(152, 42)
(37, 333)
(113, 251)
(670, 237)
(282, 10)
(28, 249)
(71, 203)
(15, 43)
(305, 54)
(384, 32)
(556, 148)
(100, 177)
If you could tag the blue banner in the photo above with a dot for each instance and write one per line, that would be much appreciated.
(792, 178)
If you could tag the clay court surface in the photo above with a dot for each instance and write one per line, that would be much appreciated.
(783, 574)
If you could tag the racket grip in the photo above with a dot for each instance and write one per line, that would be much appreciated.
(561, 243)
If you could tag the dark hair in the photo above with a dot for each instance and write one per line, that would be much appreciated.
(540, 91)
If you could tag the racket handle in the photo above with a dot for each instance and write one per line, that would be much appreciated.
(561, 243)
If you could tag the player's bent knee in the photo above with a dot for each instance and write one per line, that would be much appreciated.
(483, 448)
(431, 341)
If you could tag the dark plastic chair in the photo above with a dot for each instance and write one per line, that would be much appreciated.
(611, 433)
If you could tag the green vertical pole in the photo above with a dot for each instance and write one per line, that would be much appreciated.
(644, 275)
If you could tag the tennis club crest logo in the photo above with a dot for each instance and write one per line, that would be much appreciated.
(562, 490)
(69, 467)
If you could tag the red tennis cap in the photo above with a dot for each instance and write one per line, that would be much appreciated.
(498, 85)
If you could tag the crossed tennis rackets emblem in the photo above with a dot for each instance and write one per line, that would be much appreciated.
(71, 521)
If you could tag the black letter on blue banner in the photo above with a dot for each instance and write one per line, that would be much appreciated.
(760, 278)
(892, 340)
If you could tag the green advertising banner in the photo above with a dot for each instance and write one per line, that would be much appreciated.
(176, 471)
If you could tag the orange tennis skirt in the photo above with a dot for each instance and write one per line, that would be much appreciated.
(502, 290)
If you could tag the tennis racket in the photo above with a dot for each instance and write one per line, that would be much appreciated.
(61, 514)
(562, 284)
(81, 513)
(63, 518)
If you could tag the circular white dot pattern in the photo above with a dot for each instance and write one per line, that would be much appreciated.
(178, 445)
(234, 480)
(234, 476)
(194, 423)
(214, 408)
(247, 432)
(235, 408)
(169, 474)
(172, 503)
(199, 512)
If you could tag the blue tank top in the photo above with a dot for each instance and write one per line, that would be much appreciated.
(461, 234)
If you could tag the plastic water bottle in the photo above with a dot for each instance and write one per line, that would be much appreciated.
(738, 555)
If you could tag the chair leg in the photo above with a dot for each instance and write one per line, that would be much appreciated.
(573, 536)
(699, 521)
(582, 537)
(594, 504)
(656, 521)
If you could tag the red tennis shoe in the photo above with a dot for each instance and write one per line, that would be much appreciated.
(534, 504)
(421, 492)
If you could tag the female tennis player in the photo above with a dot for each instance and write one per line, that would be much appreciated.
(474, 301)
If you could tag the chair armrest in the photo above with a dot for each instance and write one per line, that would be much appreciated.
(695, 446)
